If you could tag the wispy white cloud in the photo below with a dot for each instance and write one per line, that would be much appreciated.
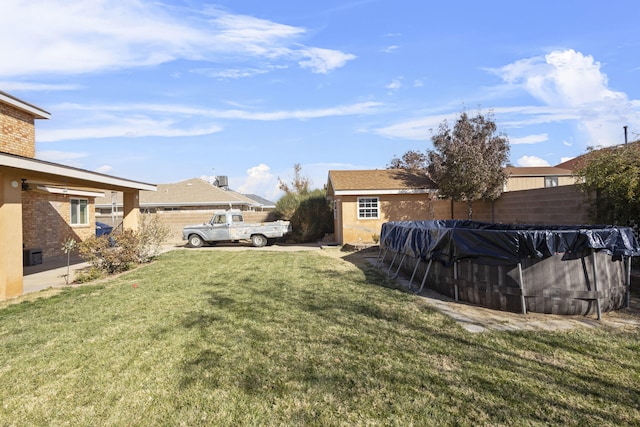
(125, 127)
(57, 156)
(323, 60)
(169, 120)
(395, 84)
(417, 129)
(529, 139)
(390, 49)
(237, 73)
(75, 36)
(532, 161)
(33, 87)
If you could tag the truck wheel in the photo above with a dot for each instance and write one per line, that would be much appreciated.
(258, 240)
(195, 241)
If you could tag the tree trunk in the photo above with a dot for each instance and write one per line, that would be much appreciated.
(470, 209)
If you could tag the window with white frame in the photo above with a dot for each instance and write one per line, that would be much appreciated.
(368, 208)
(79, 212)
(550, 181)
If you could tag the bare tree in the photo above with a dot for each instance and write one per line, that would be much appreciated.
(468, 162)
(299, 184)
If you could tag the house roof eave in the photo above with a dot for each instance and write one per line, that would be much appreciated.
(383, 192)
(57, 173)
(37, 112)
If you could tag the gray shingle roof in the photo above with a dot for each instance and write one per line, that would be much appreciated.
(192, 192)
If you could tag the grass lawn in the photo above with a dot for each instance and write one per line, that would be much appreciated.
(293, 338)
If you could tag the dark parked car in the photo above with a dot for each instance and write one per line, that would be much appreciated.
(103, 229)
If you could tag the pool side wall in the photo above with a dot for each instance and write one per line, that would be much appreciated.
(551, 285)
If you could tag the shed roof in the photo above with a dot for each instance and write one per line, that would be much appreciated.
(378, 181)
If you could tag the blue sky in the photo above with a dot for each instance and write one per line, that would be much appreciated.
(162, 91)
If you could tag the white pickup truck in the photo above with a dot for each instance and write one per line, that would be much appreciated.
(229, 226)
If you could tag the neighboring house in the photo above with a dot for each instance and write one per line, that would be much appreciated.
(42, 204)
(265, 205)
(528, 178)
(578, 162)
(185, 202)
(365, 199)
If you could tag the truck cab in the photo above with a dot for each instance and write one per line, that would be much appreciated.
(221, 225)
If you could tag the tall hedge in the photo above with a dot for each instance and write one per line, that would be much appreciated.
(310, 215)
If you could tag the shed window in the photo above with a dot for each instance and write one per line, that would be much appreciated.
(368, 208)
(79, 211)
(550, 181)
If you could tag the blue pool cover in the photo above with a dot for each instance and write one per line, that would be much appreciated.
(448, 241)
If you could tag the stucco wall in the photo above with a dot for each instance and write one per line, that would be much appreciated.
(392, 208)
(17, 132)
(46, 222)
(563, 205)
(531, 182)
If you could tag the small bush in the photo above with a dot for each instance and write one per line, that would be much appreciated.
(153, 233)
(112, 254)
(88, 274)
(116, 253)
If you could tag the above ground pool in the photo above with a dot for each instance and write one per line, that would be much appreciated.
(544, 269)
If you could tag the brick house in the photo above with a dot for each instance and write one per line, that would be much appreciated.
(42, 203)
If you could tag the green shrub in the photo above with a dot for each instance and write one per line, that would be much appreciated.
(287, 206)
(313, 218)
(310, 215)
